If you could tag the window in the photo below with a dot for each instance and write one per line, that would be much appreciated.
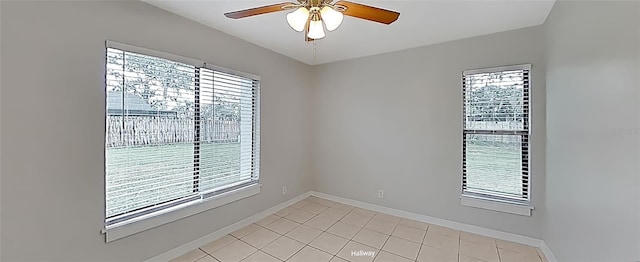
(496, 133)
(177, 132)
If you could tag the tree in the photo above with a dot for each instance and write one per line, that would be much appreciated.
(166, 85)
(495, 97)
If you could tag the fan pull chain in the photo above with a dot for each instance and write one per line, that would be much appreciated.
(314, 50)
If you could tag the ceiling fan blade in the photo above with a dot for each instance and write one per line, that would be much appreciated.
(257, 10)
(369, 12)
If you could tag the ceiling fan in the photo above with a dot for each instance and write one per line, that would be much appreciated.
(309, 15)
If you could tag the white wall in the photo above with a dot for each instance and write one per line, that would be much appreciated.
(394, 122)
(52, 134)
(593, 131)
(390, 121)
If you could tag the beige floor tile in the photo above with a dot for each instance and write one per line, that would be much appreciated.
(356, 252)
(429, 254)
(414, 224)
(190, 256)
(282, 225)
(365, 212)
(217, 244)
(329, 243)
(381, 226)
(321, 222)
(300, 216)
(260, 238)
(463, 258)
(409, 233)
(283, 248)
(334, 213)
(245, 231)
(314, 208)
(301, 203)
(387, 217)
(513, 256)
(352, 235)
(313, 199)
(324, 202)
(356, 219)
(304, 234)
(343, 206)
(371, 238)
(444, 231)
(477, 250)
(207, 259)
(343, 229)
(401, 247)
(441, 241)
(384, 256)
(260, 257)
(310, 254)
(520, 248)
(285, 211)
(267, 220)
(337, 259)
(235, 251)
(477, 238)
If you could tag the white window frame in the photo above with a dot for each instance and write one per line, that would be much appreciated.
(497, 203)
(209, 200)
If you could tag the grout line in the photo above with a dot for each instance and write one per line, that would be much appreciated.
(269, 255)
(323, 231)
(251, 252)
(420, 249)
(368, 221)
(459, 245)
(305, 245)
(355, 205)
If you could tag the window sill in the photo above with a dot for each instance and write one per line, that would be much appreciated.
(496, 205)
(143, 223)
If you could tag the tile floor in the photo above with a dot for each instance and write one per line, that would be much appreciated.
(317, 229)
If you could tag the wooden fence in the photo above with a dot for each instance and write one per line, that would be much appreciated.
(150, 130)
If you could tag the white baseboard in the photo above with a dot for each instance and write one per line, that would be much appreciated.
(445, 223)
(178, 251)
(547, 252)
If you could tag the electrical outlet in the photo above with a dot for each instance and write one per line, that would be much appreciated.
(284, 190)
(380, 193)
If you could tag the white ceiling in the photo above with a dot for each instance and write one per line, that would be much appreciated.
(420, 23)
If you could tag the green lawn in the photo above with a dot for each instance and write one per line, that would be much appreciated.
(170, 167)
(494, 165)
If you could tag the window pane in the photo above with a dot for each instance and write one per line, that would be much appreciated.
(495, 101)
(175, 134)
(494, 164)
(150, 131)
(226, 129)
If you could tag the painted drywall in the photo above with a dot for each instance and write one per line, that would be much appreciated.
(593, 131)
(394, 122)
(52, 135)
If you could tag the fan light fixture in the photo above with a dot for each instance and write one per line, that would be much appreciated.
(313, 16)
(315, 28)
(332, 18)
(298, 19)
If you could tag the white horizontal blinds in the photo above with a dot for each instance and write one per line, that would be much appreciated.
(175, 132)
(228, 114)
(149, 132)
(496, 132)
